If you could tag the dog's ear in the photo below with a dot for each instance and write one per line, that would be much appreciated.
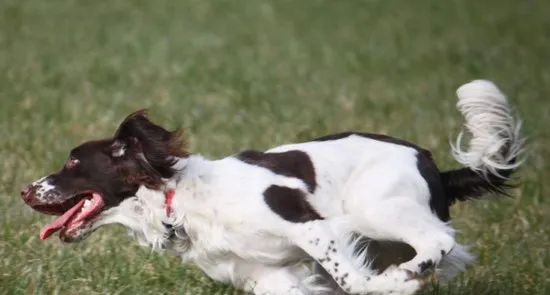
(138, 125)
(149, 142)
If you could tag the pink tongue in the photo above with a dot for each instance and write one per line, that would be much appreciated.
(50, 228)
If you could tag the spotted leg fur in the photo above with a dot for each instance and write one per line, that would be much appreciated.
(336, 255)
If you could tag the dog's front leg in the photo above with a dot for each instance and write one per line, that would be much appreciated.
(270, 280)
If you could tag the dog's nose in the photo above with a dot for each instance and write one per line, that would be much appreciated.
(28, 195)
(26, 192)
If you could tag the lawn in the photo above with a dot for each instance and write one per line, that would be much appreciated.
(254, 74)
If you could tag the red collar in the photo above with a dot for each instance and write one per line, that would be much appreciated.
(168, 196)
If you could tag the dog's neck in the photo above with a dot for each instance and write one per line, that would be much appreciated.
(145, 214)
(188, 169)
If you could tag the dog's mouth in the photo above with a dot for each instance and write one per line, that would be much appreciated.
(77, 217)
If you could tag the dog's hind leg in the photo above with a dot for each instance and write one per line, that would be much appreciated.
(336, 255)
(396, 206)
(404, 220)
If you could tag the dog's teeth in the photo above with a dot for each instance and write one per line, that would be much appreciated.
(87, 203)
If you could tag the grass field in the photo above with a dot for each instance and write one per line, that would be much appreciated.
(253, 74)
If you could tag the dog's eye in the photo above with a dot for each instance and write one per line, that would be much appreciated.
(71, 162)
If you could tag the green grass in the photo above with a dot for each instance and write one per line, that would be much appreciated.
(254, 74)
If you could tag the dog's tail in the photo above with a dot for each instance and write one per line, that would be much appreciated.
(494, 148)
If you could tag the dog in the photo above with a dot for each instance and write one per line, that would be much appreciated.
(298, 218)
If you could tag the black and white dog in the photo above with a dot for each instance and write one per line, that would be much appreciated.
(273, 222)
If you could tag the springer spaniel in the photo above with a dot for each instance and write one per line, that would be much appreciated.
(298, 218)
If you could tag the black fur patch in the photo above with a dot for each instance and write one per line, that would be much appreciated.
(383, 254)
(292, 164)
(430, 173)
(290, 204)
(379, 137)
(426, 265)
(465, 184)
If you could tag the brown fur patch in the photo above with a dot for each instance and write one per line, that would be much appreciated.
(292, 164)
(290, 204)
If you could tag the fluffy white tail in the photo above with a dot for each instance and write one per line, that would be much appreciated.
(496, 142)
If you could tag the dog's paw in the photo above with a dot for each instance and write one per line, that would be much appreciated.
(395, 281)
(428, 275)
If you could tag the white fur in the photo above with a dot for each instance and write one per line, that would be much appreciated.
(492, 126)
(43, 186)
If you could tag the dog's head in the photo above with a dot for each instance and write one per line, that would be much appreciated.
(99, 175)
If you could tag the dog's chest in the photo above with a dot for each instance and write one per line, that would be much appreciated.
(220, 250)
(211, 239)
